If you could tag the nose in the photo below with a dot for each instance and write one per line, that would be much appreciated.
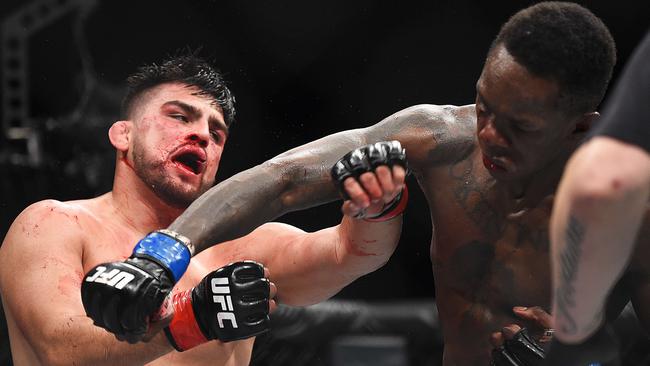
(200, 137)
(491, 135)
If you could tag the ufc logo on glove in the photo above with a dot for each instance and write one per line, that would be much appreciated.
(114, 278)
(221, 295)
(238, 293)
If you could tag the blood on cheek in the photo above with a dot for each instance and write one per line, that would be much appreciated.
(161, 142)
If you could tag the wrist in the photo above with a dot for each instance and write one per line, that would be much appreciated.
(168, 248)
(183, 332)
(392, 209)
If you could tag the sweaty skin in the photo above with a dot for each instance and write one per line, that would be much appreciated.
(51, 244)
(488, 172)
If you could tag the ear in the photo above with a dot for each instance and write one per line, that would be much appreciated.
(120, 135)
(583, 125)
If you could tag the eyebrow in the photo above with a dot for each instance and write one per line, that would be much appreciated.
(525, 122)
(196, 113)
(482, 99)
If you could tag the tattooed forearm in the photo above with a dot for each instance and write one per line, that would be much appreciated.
(569, 258)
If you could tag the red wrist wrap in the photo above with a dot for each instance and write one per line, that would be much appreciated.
(183, 329)
(394, 209)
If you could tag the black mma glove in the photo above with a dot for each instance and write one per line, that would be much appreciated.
(229, 304)
(366, 159)
(602, 347)
(121, 297)
(521, 350)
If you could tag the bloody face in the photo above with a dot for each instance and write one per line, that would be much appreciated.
(178, 139)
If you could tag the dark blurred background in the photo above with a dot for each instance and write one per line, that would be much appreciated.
(299, 69)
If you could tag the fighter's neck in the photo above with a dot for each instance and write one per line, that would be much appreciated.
(136, 204)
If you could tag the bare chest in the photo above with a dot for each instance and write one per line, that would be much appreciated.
(485, 260)
(501, 271)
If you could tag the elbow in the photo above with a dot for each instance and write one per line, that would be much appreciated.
(598, 188)
(591, 197)
(589, 194)
(605, 171)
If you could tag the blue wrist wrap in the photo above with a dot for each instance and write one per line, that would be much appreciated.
(169, 251)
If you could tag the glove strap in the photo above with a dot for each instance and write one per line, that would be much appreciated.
(393, 209)
(170, 249)
(183, 332)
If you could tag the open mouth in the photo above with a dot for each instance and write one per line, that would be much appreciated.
(190, 161)
(492, 165)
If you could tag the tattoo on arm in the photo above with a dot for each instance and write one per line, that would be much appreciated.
(569, 259)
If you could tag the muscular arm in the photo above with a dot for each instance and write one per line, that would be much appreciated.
(300, 177)
(40, 277)
(311, 267)
(597, 214)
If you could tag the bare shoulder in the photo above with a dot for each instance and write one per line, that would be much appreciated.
(47, 212)
(429, 116)
(52, 212)
(432, 134)
(45, 225)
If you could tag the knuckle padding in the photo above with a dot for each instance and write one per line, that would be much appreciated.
(252, 286)
(246, 270)
(255, 312)
(358, 161)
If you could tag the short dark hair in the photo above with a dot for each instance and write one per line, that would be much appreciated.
(564, 42)
(187, 69)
